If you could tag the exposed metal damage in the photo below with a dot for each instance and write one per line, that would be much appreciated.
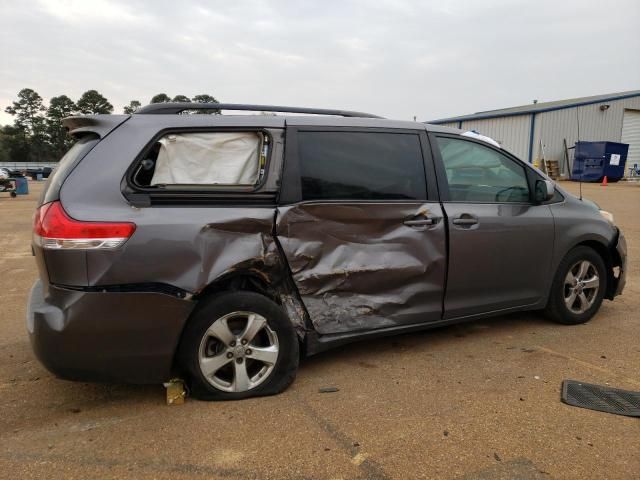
(239, 243)
(250, 248)
(334, 267)
(356, 267)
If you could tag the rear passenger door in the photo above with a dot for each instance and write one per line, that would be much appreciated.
(500, 242)
(362, 233)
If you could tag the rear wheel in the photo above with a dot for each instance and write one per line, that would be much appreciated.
(239, 345)
(578, 287)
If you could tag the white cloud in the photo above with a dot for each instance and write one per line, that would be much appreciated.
(82, 11)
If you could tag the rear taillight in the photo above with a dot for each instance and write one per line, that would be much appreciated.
(54, 229)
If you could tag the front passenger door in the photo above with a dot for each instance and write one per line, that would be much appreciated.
(500, 242)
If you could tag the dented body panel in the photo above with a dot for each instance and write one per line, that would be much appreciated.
(357, 266)
(105, 335)
(239, 242)
(196, 251)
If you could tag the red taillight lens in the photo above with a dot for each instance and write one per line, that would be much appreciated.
(57, 230)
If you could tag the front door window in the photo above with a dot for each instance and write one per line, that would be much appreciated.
(479, 174)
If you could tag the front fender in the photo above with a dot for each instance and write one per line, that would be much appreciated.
(577, 223)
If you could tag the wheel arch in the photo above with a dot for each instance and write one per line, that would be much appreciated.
(242, 279)
(282, 292)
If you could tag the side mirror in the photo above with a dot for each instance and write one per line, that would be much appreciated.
(544, 191)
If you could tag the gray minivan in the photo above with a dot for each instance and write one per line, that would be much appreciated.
(221, 248)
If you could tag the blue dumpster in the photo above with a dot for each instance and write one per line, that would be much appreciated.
(22, 185)
(595, 160)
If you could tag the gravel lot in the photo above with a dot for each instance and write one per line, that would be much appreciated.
(474, 401)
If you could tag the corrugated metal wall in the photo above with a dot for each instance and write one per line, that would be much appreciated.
(631, 135)
(595, 125)
(512, 133)
(552, 127)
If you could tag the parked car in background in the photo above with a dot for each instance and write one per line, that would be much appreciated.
(222, 247)
(7, 184)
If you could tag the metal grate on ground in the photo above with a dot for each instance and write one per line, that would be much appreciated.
(601, 398)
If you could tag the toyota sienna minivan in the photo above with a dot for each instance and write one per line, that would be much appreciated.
(222, 248)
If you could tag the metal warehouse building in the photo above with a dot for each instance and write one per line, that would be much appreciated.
(523, 130)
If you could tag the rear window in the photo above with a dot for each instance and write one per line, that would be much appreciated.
(361, 166)
(66, 164)
(204, 158)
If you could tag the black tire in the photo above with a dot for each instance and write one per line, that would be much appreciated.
(13, 194)
(211, 309)
(556, 309)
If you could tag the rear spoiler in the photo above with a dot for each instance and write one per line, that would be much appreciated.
(101, 125)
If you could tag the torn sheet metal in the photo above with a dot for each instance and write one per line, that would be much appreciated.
(357, 266)
(243, 243)
(235, 240)
(201, 244)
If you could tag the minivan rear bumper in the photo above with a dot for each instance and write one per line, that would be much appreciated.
(105, 336)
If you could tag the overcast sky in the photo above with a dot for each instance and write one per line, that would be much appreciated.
(395, 58)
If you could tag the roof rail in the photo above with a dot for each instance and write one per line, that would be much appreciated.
(177, 107)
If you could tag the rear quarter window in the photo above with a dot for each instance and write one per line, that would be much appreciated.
(66, 164)
(204, 159)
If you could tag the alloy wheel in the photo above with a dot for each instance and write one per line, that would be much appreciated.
(238, 352)
(581, 287)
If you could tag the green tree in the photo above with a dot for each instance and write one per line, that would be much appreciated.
(28, 111)
(181, 99)
(29, 126)
(5, 154)
(132, 107)
(59, 108)
(160, 98)
(13, 144)
(92, 102)
(205, 98)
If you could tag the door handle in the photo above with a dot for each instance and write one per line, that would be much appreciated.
(465, 220)
(422, 222)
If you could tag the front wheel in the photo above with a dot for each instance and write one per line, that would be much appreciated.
(578, 287)
(239, 345)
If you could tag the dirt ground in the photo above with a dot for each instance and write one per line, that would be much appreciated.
(474, 401)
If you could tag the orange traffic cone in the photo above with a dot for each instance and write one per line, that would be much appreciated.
(604, 181)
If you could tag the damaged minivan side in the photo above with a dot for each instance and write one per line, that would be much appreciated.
(222, 248)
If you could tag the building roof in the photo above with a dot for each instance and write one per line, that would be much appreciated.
(541, 107)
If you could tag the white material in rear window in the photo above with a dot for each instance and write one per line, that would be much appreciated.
(208, 158)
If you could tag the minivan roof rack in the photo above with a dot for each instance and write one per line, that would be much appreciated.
(177, 107)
